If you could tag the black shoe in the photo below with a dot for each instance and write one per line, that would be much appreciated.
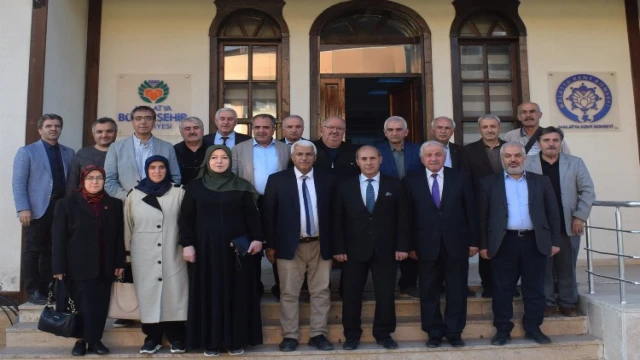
(97, 348)
(434, 342)
(388, 343)
(178, 347)
(123, 322)
(79, 349)
(320, 342)
(500, 339)
(538, 337)
(150, 347)
(37, 298)
(456, 341)
(412, 292)
(351, 344)
(288, 345)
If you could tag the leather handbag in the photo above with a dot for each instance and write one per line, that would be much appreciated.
(59, 323)
(124, 302)
(241, 245)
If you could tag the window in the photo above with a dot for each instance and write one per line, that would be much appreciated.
(486, 72)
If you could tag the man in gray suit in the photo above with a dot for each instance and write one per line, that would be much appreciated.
(39, 177)
(124, 164)
(519, 230)
(575, 194)
(254, 161)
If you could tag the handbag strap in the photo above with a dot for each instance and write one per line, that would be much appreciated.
(72, 305)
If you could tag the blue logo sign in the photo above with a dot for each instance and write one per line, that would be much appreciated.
(584, 98)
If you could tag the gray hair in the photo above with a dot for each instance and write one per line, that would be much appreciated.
(304, 143)
(433, 122)
(513, 144)
(235, 114)
(396, 118)
(324, 122)
(193, 119)
(530, 102)
(488, 117)
(429, 143)
(293, 116)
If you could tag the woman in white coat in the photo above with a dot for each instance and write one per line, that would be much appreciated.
(159, 271)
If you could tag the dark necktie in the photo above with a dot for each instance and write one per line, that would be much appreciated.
(435, 190)
(308, 214)
(370, 196)
(224, 140)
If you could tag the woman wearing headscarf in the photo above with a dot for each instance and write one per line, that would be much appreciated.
(88, 250)
(224, 304)
(159, 271)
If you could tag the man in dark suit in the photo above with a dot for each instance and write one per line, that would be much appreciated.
(334, 155)
(442, 129)
(297, 208)
(445, 234)
(519, 231)
(292, 128)
(226, 121)
(371, 227)
(480, 159)
(401, 158)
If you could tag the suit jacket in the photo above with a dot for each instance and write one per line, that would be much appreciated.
(122, 170)
(455, 151)
(282, 212)
(475, 162)
(75, 237)
(32, 178)
(454, 223)
(345, 165)
(283, 139)
(359, 233)
(242, 159)
(578, 191)
(543, 209)
(210, 138)
(412, 163)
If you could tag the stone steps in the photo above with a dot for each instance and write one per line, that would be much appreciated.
(407, 329)
(565, 347)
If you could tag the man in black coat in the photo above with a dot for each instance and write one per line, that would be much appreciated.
(297, 218)
(335, 156)
(482, 158)
(442, 129)
(519, 231)
(371, 232)
(292, 129)
(226, 121)
(445, 233)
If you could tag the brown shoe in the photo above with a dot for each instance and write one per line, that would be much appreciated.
(569, 311)
(550, 311)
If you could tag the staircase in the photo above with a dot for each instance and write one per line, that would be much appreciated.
(569, 335)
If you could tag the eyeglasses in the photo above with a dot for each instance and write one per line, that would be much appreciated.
(332, 128)
(145, 118)
(94, 178)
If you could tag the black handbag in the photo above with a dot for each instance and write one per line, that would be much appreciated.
(59, 323)
(241, 245)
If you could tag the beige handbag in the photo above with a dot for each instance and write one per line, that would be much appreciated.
(123, 303)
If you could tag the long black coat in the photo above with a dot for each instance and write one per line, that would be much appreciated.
(76, 248)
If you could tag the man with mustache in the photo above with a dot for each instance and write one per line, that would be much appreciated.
(480, 159)
(445, 236)
(226, 120)
(529, 116)
(442, 129)
(39, 180)
(575, 195)
(519, 231)
(191, 151)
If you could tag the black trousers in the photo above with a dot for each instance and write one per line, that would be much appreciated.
(36, 256)
(518, 257)
(484, 269)
(91, 298)
(173, 330)
(408, 274)
(432, 274)
(384, 278)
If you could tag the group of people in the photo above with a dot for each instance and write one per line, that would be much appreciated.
(194, 219)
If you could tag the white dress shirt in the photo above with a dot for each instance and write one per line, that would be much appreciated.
(314, 202)
(517, 203)
(363, 187)
(143, 151)
(440, 181)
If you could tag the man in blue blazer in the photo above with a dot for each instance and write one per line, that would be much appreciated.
(401, 158)
(39, 180)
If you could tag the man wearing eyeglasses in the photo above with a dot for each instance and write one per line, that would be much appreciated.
(124, 164)
(191, 151)
(334, 155)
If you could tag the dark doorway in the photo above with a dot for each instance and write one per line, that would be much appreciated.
(370, 101)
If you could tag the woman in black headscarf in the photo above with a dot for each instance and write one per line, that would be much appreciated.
(224, 304)
(88, 249)
(159, 271)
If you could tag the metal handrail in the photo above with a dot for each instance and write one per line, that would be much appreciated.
(620, 242)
